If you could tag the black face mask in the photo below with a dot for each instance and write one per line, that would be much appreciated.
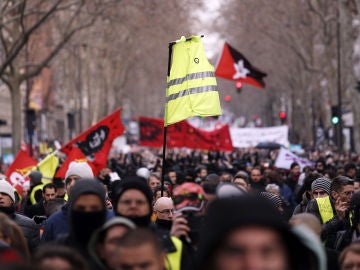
(8, 210)
(83, 224)
(142, 221)
(163, 223)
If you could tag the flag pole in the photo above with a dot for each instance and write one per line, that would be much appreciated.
(165, 128)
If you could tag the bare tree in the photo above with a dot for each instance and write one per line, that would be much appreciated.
(22, 22)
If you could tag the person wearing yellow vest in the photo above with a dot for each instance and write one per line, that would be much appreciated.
(342, 190)
(36, 187)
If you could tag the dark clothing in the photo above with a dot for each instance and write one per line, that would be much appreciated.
(37, 209)
(27, 225)
(57, 224)
(332, 257)
(301, 207)
(329, 232)
(82, 224)
(257, 187)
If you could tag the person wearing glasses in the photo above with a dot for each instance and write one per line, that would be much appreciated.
(164, 210)
(342, 191)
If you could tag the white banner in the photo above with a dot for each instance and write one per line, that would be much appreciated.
(250, 137)
(286, 157)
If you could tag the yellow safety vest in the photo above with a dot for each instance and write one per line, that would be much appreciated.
(33, 191)
(173, 259)
(191, 86)
(325, 209)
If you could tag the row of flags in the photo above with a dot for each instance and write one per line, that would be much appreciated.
(191, 91)
(93, 146)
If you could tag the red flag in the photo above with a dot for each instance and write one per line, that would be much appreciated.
(234, 66)
(77, 156)
(151, 131)
(20, 167)
(182, 134)
(95, 143)
(216, 140)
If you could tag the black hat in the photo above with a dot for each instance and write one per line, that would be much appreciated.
(86, 186)
(132, 182)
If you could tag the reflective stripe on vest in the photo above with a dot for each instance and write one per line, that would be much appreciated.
(173, 259)
(191, 88)
(325, 209)
(33, 191)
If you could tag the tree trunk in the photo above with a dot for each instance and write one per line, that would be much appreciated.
(16, 116)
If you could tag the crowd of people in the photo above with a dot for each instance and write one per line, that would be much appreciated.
(193, 210)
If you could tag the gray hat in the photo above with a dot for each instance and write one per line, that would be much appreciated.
(323, 183)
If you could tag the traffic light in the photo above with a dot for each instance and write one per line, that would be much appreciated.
(238, 87)
(282, 116)
(335, 115)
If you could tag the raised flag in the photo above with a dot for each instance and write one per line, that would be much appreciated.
(95, 143)
(48, 167)
(233, 65)
(19, 169)
(191, 83)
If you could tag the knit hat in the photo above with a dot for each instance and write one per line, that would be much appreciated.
(132, 182)
(227, 190)
(6, 188)
(321, 183)
(35, 177)
(143, 172)
(275, 199)
(86, 186)
(81, 169)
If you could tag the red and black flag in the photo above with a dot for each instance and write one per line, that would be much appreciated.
(234, 66)
(95, 143)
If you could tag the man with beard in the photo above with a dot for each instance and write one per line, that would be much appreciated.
(28, 226)
(38, 209)
(87, 213)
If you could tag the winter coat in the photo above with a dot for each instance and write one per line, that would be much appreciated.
(30, 229)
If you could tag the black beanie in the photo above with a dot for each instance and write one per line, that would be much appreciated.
(86, 186)
(132, 182)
